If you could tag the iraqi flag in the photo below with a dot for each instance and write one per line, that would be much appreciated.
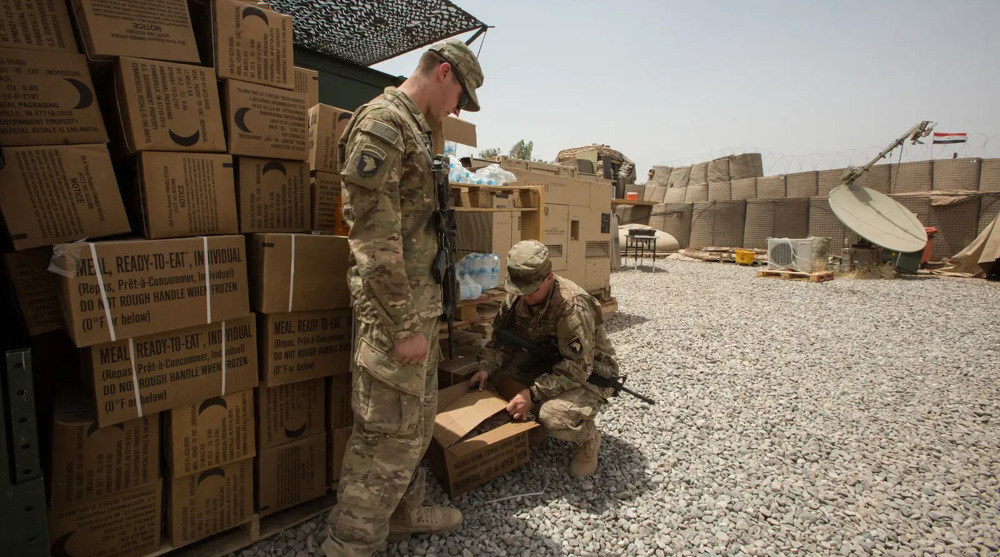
(944, 138)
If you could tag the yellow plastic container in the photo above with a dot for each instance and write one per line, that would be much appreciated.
(744, 256)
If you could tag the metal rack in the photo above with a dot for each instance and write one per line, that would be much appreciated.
(24, 530)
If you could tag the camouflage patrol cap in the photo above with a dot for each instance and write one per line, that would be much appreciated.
(528, 264)
(465, 64)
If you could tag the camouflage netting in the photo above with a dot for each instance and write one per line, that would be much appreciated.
(366, 32)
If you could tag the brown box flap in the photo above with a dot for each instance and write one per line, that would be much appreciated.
(462, 416)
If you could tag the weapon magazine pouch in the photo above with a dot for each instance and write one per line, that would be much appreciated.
(603, 370)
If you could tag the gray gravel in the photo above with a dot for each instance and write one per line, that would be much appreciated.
(843, 418)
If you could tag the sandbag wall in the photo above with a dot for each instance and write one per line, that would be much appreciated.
(959, 197)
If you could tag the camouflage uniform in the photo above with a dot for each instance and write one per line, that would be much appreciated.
(389, 199)
(389, 193)
(568, 403)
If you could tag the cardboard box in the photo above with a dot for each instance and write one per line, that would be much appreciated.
(249, 43)
(210, 433)
(289, 413)
(563, 185)
(339, 390)
(326, 126)
(173, 369)
(304, 345)
(328, 204)
(337, 443)
(458, 130)
(458, 370)
(36, 25)
(48, 99)
(36, 290)
(126, 524)
(158, 30)
(462, 464)
(89, 462)
(486, 232)
(54, 194)
(186, 194)
(145, 287)
(291, 474)
(168, 107)
(307, 81)
(209, 502)
(273, 195)
(267, 122)
(299, 272)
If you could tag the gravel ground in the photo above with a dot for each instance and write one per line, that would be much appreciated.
(844, 418)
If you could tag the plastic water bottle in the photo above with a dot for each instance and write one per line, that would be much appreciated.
(482, 273)
(494, 270)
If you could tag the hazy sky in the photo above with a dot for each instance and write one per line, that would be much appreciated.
(680, 82)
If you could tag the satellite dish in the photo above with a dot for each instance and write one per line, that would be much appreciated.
(878, 218)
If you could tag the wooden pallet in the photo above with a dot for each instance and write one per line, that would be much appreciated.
(252, 532)
(820, 276)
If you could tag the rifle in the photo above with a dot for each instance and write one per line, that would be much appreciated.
(447, 234)
(545, 354)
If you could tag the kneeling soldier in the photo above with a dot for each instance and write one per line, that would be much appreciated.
(540, 308)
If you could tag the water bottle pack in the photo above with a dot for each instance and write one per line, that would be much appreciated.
(491, 175)
(478, 272)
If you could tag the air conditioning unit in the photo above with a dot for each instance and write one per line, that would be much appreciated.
(793, 254)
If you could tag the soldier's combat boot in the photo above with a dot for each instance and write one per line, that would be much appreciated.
(584, 462)
(423, 520)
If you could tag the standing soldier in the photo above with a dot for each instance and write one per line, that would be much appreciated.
(541, 306)
(389, 201)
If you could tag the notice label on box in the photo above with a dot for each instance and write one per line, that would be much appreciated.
(60, 194)
(159, 30)
(187, 194)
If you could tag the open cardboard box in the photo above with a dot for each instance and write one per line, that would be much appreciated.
(460, 464)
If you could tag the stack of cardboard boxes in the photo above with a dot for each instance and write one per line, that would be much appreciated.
(57, 183)
(302, 302)
(577, 222)
(208, 128)
(326, 126)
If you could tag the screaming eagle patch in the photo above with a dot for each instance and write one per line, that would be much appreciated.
(575, 346)
(369, 163)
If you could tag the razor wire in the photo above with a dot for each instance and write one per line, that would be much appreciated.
(774, 162)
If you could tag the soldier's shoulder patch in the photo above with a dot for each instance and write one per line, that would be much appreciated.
(575, 346)
(370, 160)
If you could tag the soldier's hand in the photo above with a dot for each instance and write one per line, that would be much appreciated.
(412, 350)
(520, 406)
(479, 380)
